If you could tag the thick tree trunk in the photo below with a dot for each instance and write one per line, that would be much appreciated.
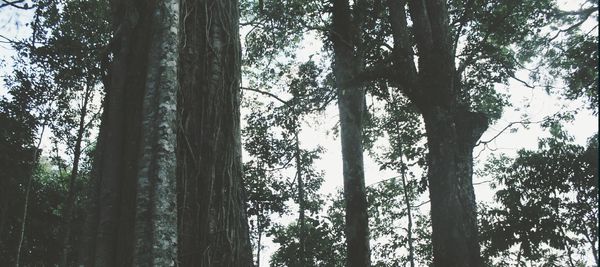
(451, 137)
(347, 66)
(213, 229)
(451, 128)
(135, 219)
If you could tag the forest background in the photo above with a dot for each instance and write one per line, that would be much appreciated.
(545, 111)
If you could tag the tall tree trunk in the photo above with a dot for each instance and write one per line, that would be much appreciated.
(301, 216)
(451, 139)
(70, 201)
(451, 128)
(136, 219)
(345, 36)
(213, 229)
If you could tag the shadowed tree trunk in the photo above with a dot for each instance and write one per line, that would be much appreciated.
(133, 219)
(212, 221)
(451, 128)
(345, 34)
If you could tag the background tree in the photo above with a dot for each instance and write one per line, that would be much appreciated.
(73, 52)
(545, 203)
(272, 139)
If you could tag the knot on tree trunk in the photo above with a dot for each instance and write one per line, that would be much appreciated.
(471, 125)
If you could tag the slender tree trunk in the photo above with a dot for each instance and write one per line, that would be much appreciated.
(34, 163)
(347, 65)
(135, 214)
(213, 229)
(259, 242)
(301, 216)
(593, 243)
(406, 190)
(70, 201)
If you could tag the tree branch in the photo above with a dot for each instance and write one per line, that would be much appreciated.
(14, 4)
(267, 94)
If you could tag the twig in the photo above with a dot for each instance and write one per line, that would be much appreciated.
(14, 4)
(266, 93)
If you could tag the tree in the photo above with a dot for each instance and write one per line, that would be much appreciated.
(546, 202)
(272, 140)
(346, 37)
(463, 49)
(213, 229)
(72, 53)
(132, 218)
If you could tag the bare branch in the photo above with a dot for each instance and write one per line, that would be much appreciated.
(266, 93)
(15, 3)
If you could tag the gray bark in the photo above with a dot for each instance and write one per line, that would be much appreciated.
(132, 217)
(346, 39)
(156, 218)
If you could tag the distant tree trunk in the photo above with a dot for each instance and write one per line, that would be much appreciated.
(409, 227)
(135, 219)
(259, 229)
(301, 216)
(213, 229)
(451, 128)
(70, 201)
(34, 163)
(345, 34)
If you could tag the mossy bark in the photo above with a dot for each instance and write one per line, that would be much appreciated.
(132, 218)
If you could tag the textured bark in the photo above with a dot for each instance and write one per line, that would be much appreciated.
(451, 128)
(212, 222)
(347, 66)
(453, 206)
(156, 217)
(135, 221)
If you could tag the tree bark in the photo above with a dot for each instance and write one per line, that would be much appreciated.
(453, 207)
(135, 220)
(346, 39)
(451, 128)
(212, 220)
